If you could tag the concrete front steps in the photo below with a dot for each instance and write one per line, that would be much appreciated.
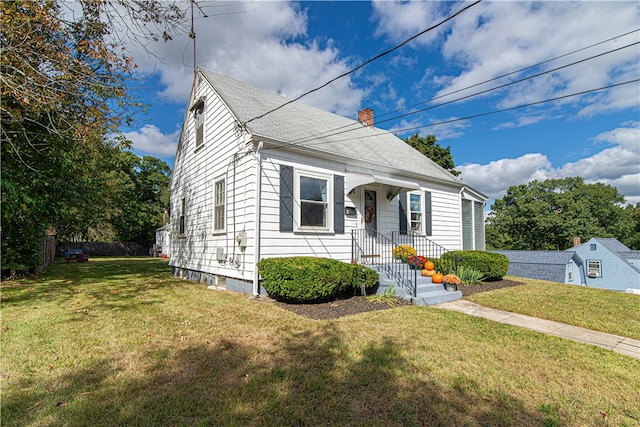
(427, 292)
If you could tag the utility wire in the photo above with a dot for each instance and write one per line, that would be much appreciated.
(473, 116)
(510, 83)
(366, 62)
(510, 73)
(337, 131)
(356, 125)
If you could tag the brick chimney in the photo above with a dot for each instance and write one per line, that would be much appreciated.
(365, 116)
(576, 241)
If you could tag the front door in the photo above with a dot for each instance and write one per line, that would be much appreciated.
(371, 211)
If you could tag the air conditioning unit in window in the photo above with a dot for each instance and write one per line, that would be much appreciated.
(593, 275)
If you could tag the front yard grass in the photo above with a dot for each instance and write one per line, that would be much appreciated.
(121, 342)
(613, 312)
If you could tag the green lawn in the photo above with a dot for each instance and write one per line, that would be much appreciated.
(121, 342)
(598, 309)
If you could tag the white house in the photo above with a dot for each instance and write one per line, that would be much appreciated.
(163, 241)
(252, 180)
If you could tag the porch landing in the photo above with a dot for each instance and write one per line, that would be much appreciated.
(427, 292)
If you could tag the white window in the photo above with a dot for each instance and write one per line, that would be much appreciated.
(198, 121)
(183, 211)
(415, 210)
(594, 268)
(570, 272)
(219, 205)
(314, 204)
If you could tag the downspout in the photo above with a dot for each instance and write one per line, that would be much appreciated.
(256, 276)
(461, 223)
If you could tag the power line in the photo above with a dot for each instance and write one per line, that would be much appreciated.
(474, 116)
(366, 62)
(511, 73)
(510, 83)
(356, 125)
(335, 132)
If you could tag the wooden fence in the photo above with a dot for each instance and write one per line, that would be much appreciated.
(48, 250)
(106, 248)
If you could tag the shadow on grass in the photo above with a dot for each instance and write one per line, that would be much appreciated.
(112, 283)
(312, 378)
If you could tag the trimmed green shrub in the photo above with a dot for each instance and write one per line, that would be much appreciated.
(493, 266)
(309, 279)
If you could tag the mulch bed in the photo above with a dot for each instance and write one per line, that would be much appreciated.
(358, 304)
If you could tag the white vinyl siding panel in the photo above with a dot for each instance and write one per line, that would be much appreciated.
(275, 243)
(194, 176)
(478, 225)
(467, 224)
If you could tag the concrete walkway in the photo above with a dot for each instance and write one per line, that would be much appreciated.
(622, 345)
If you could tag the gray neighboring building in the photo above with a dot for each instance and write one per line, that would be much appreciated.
(599, 263)
(554, 266)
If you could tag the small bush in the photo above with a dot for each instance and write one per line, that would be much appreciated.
(309, 279)
(444, 265)
(493, 266)
(469, 276)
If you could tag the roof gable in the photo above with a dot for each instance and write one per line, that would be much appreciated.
(302, 126)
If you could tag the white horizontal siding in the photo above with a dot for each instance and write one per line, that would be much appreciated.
(193, 177)
(225, 155)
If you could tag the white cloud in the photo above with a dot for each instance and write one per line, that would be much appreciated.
(151, 141)
(499, 37)
(401, 20)
(618, 166)
(265, 45)
(494, 178)
(494, 38)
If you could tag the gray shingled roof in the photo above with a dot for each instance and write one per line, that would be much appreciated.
(613, 244)
(542, 265)
(538, 257)
(305, 126)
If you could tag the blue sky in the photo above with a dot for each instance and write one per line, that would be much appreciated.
(292, 47)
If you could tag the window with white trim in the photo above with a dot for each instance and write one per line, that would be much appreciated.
(198, 118)
(183, 210)
(570, 272)
(219, 197)
(314, 205)
(594, 268)
(415, 212)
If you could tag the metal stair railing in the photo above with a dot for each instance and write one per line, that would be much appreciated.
(420, 243)
(372, 248)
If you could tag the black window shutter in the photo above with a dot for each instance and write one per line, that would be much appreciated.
(428, 226)
(286, 198)
(338, 204)
(402, 197)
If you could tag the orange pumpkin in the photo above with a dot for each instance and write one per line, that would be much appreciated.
(429, 265)
(437, 278)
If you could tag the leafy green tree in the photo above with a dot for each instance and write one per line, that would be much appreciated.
(429, 147)
(144, 197)
(547, 215)
(63, 94)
